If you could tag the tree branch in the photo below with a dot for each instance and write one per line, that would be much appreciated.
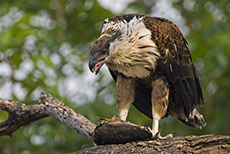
(21, 114)
(108, 132)
(211, 144)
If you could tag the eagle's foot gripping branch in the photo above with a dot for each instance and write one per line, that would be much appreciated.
(158, 136)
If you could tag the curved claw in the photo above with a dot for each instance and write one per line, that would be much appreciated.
(158, 136)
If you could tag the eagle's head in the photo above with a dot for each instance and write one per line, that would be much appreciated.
(122, 38)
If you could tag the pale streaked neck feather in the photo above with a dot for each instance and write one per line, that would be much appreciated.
(134, 54)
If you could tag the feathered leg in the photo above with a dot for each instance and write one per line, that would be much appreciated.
(160, 94)
(125, 95)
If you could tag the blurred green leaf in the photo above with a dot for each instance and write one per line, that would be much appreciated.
(3, 115)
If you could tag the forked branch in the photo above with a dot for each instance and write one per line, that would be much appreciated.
(108, 132)
(21, 114)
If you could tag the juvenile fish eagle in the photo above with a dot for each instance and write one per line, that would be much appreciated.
(149, 59)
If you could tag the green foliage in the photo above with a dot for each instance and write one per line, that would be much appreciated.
(44, 46)
(4, 116)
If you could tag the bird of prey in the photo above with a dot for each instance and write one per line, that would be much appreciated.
(149, 59)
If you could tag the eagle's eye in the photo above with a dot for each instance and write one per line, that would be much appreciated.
(103, 51)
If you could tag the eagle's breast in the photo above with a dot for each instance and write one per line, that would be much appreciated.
(133, 54)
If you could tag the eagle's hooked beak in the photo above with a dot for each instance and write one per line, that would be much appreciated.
(99, 53)
(95, 65)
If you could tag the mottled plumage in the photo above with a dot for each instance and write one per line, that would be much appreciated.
(149, 59)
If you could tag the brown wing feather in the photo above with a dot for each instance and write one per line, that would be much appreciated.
(176, 63)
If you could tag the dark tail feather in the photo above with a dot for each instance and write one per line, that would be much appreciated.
(195, 119)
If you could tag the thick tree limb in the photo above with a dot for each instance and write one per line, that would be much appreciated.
(21, 114)
(211, 144)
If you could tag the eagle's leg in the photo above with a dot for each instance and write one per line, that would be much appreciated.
(125, 95)
(160, 94)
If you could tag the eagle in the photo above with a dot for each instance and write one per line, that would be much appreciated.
(149, 59)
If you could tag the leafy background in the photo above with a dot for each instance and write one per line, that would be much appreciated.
(45, 44)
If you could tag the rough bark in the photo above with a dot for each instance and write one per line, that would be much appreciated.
(213, 144)
(21, 114)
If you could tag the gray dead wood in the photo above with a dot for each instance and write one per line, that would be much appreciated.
(108, 132)
(21, 114)
(205, 144)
